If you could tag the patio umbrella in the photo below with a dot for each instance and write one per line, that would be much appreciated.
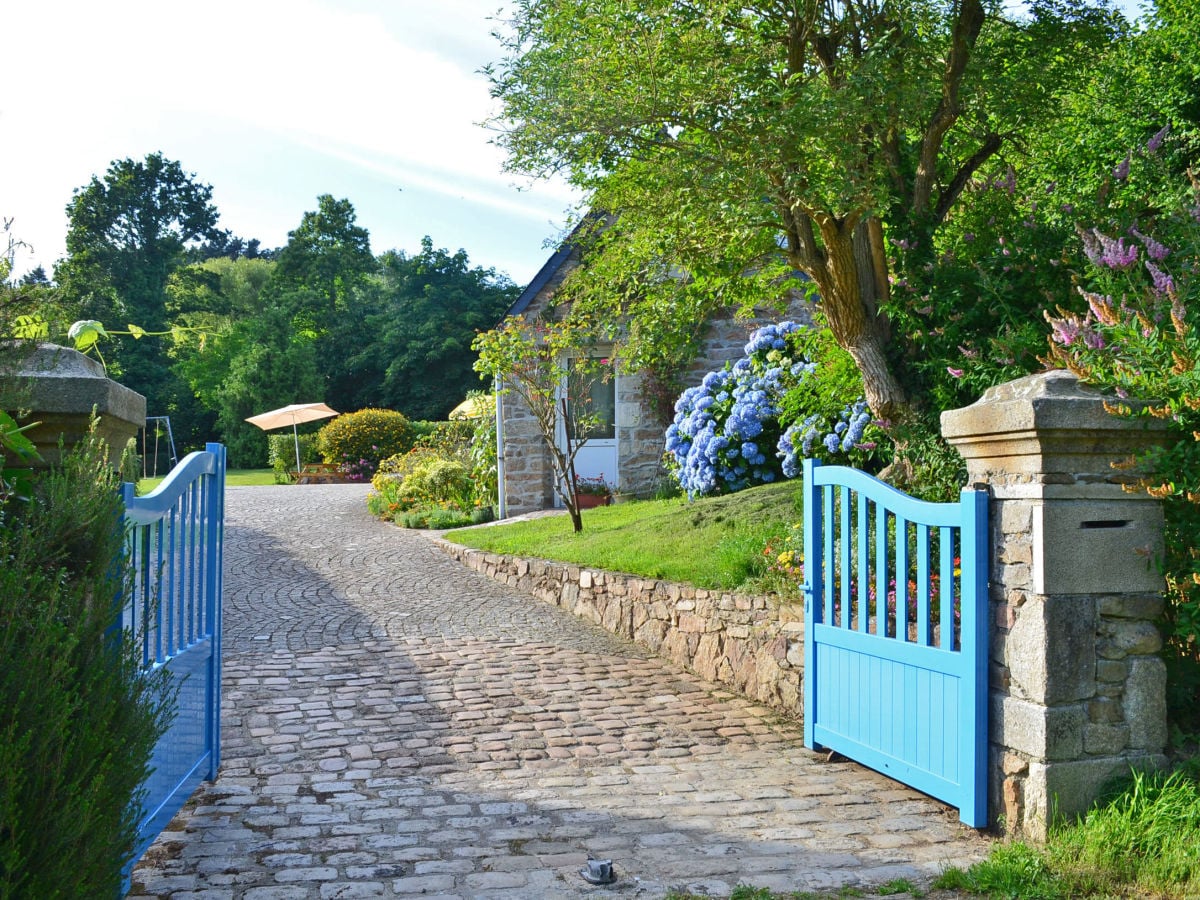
(292, 415)
(473, 407)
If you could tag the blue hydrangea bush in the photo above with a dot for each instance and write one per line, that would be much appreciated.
(727, 433)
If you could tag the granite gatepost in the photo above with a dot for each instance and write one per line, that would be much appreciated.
(1077, 689)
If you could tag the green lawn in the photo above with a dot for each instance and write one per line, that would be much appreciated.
(233, 478)
(714, 542)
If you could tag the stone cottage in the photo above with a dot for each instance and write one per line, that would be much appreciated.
(627, 451)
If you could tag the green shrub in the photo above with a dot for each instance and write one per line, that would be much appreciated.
(281, 453)
(358, 441)
(392, 471)
(281, 448)
(422, 428)
(441, 480)
(78, 721)
(431, 515)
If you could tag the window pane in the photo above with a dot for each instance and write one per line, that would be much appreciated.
(602, 404)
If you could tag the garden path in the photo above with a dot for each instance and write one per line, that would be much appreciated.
(396, 725)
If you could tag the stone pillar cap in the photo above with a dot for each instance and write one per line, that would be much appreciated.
(1045, 402)
(62, 380)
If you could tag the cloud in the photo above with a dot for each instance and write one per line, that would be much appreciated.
(388, 87)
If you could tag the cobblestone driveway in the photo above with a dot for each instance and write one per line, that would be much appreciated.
(396, 725)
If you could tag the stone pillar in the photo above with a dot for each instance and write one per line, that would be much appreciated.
(60, 388)
(1077, 688)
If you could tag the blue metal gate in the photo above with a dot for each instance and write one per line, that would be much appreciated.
(896, 633)
(175, 545)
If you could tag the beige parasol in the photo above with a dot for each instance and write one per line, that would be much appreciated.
(292, 415)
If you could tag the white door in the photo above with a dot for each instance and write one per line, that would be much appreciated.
(597, 458)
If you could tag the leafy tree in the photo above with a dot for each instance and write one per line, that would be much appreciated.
(269, 366)
(775, 137)
(328, 255)
(321, 279)
(127, 233)
(35, 277)
(249, 358)
(429, 308)
(548, 367)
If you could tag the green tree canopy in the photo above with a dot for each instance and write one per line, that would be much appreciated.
(428, 309)
(328, 254)
(773, 137)
(127, 232)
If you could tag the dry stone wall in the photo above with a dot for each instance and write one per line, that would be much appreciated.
(752, 644)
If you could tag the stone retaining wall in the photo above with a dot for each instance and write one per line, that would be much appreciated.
(753, 644)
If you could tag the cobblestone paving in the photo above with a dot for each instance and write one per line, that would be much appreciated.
(396, 725)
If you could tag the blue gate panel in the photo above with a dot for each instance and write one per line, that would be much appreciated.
(175, 548)
(184, 759)
(897, 717)
(896, 639)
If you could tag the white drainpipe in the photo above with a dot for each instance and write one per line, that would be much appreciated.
(501, 492)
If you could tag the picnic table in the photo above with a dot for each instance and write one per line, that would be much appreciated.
(318, 473)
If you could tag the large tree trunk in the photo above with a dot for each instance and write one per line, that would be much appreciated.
(853, 284)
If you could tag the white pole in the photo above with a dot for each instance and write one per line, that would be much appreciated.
(296, 438)
(501, 492)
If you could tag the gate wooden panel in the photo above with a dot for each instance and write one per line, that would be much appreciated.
(175, 543)
(896, 633)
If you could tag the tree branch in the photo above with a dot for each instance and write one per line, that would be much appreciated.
(949, 195)
(967, 26)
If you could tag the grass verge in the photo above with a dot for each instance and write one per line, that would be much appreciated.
(711, 542)
(233, 478)
(1143, 840)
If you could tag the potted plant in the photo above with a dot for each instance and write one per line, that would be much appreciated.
(591, 492)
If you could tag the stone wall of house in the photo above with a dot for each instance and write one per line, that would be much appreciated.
(753, 644)
(1077, 687)
(640, 426)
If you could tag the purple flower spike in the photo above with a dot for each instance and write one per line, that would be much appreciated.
(1156, 141)
(954, 373)
(1091, 246)
(1065, 331)
(1156, 251)
(1121, 172)
(1115, 254)
(1163, 283)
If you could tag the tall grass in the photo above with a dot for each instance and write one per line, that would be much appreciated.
(1142, 840)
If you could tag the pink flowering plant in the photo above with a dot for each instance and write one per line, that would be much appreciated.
(1137, 333)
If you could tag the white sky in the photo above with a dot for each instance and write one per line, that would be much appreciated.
(272, 102)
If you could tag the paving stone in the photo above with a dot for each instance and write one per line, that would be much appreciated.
(397, 725)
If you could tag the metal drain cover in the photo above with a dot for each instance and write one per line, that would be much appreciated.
(598, 871)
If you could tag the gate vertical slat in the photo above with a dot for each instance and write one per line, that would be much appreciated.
(881, 569)
(924, 591)
(901, 578)
(814, 601)
(900, 692)
(949, 591)
(847, 549)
